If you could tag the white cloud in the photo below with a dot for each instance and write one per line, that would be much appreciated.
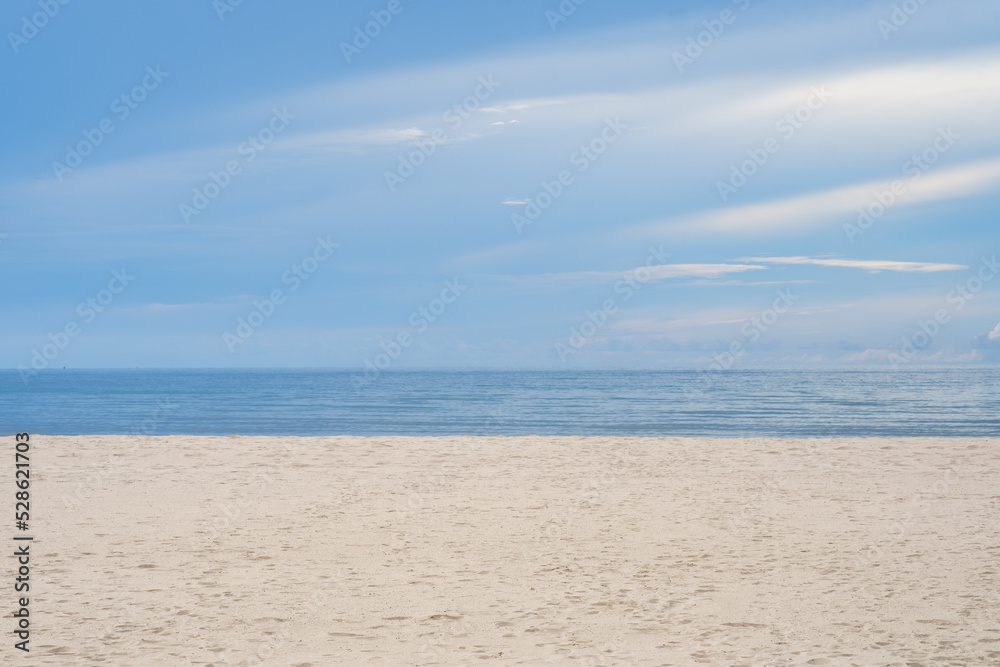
(868, 265)
(886, 91)
(819, 207)
(656, 273)
(708, 118)
(351, 138)
(995, 334)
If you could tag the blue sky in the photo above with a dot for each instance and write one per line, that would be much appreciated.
(499, 184)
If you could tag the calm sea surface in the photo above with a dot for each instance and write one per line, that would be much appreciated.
(802, 403)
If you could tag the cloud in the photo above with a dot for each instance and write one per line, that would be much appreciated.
(706, 118)
(350, 138)
(868, 265)
(656, 274)
(942, 356)
(995, 334)
(817, 208)
(173, 308)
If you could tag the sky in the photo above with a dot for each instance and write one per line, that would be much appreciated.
(517, 184)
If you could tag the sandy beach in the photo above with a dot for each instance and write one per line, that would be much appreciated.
(529, 550)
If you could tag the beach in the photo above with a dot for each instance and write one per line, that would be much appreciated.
(180, 550)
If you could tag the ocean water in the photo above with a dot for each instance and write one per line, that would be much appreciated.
(780, 403)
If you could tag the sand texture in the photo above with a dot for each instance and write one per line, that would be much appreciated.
(510, 551)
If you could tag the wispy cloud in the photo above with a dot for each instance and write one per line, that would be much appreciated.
(819, 207)
(866, 264)
(942, 356)
(351, 138)
(173, 307)
(655, 274)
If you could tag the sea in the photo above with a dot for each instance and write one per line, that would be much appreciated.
(737, 403)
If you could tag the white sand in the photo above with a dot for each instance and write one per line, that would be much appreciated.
(467, 551)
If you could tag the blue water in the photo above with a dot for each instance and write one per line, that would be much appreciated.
(801, 403)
